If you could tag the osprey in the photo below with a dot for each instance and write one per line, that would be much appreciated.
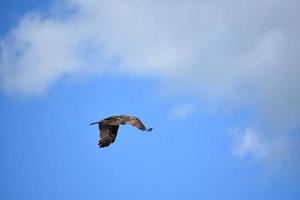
(108, 127)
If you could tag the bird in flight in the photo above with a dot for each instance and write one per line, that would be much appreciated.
(109, 126)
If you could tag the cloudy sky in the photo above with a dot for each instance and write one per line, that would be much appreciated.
(218, 81)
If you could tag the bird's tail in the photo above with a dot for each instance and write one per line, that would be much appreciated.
(94, 123)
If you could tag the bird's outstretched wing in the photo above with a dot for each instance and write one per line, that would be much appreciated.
(108, 134)
(134, 121)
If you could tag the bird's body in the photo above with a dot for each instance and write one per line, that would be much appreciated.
(109, 126)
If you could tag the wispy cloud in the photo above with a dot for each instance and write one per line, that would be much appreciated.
(181, 111)
(233, 52)
(272, 151)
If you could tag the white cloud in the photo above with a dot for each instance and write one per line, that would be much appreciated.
(279, 151)
(181, 111)
(230, 52)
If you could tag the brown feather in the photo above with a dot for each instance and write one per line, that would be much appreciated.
(108, 134)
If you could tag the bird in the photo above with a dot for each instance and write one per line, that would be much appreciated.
(109, 126)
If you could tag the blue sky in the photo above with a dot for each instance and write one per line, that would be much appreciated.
(218, 82)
